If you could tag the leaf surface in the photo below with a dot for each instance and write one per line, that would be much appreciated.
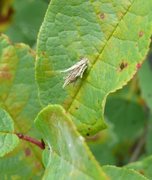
(18, 92)
(122, 173)
(113, 35)
(18, 96)
(143, 166)
(69, 157)
(129, 120)
(8, 140)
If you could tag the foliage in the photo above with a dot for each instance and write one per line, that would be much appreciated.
(99, 126)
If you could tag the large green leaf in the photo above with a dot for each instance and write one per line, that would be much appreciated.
(18, 92)
(113, 35)
(18, 96)
(144, 166)
(122, 173)
(69, 156)
(8, 140)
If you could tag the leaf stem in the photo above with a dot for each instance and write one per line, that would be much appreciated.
(139, 146)
(38, 143)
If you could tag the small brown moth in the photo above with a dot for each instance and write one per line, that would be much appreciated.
(75, 71)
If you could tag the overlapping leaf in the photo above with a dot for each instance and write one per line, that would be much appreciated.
(18, 96)
(129, 119)
(122, 173)
(69, 157)
(126, 128)
(22, 163)
(8, 140)
(143, 166)
(18, 92)
(113, 35)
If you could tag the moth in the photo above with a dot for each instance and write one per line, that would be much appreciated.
(75, 71)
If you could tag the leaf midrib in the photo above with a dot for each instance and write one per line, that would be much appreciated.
(75, 166)
(100, 52)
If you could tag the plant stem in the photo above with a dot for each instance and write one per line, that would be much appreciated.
(139, 146)
(38, 143)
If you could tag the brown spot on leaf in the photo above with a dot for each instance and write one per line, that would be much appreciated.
(27, 152)
(123, 65)
(7, 17)
(5, 73)
(142, 172)
(141, 33)
(141, 101)
(43, 52)
(102, 16)
(138, 66)
(32, 53)
(38, 166)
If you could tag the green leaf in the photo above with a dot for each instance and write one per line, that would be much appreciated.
(144, 166)
(128, 120)
(104, 152)
(18, 92)
(145, 75)
(69, 156)
(122, 173)
(19, 97)
(8, 140)
(22, 163)
(45, 156)
(114, 36)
